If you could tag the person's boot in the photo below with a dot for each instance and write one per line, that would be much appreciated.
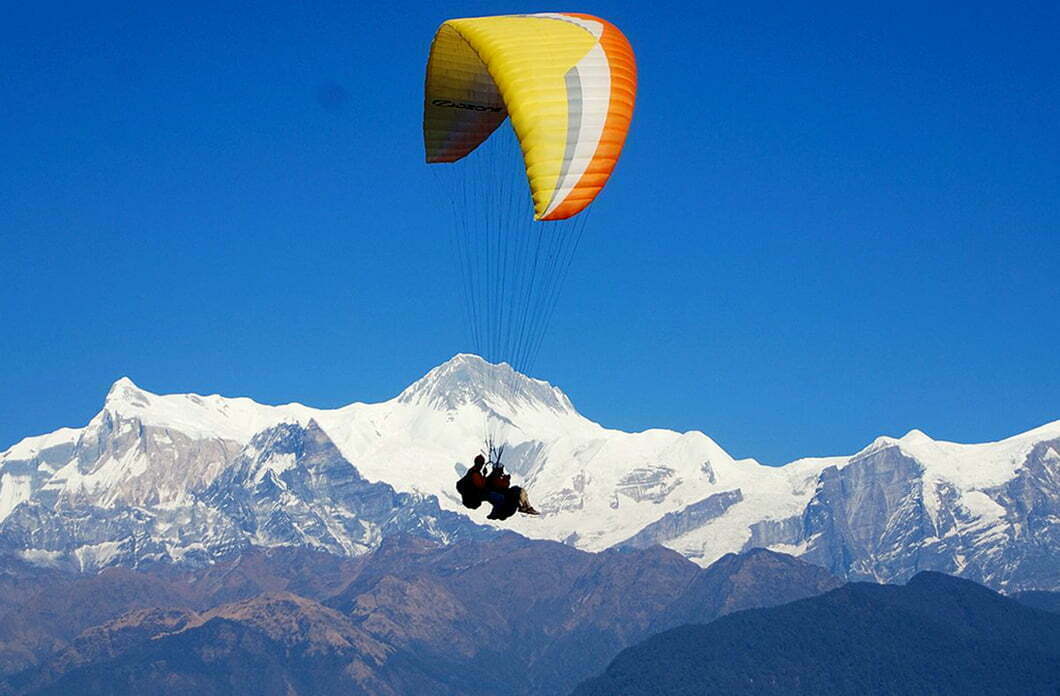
(524, 504)
(528, 510)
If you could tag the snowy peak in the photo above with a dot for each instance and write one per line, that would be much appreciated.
(969, 466)
(467, 379)
(290, 446)
(197, 416)
(30, 447)
(288, 438)
(124, 394)
(916, 436)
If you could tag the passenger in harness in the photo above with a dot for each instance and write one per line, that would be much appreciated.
(472, 485)
(505, 499)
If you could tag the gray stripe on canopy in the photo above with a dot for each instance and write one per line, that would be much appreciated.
(574, 125)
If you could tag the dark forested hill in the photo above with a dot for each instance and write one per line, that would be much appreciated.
(936, 635)
(1046, 601)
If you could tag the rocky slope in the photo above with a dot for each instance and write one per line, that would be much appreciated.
(507, 615)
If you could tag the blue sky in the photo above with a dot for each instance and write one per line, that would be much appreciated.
(829, 223)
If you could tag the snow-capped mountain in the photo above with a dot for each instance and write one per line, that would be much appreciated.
(289, 486)
(188, 477)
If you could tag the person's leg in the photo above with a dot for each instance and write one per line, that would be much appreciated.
(524, 503)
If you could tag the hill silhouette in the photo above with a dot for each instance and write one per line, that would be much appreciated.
(936, 635)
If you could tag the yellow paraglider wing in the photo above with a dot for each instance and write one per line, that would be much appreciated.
(568, 83)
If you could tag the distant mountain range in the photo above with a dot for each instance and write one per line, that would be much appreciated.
(936, 635)
(505, 615)
(194, 480)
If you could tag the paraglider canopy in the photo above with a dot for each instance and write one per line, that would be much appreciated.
(566, 80)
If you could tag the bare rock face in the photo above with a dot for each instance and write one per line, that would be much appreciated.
(864, 518)
(652, 484)
(883, 517)
(675, 524)
(108, 464)
(1023, 554)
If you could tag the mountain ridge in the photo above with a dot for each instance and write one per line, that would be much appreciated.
(412, 616)
(986, 511)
